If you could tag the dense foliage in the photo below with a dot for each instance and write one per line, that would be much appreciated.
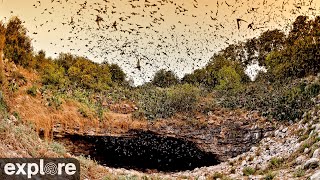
(283, 92)
(280, 102)
(164, 78)
(18, 45)
(165, 102)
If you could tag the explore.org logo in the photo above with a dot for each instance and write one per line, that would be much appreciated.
(36, 168)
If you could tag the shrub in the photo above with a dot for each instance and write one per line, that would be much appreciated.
(228, 79)
(54, 101)
(269, 176)
(183, 98)
(163, 103)
(3, 106)
(299, 173)
(217, 176)
(282, 102)
(117, 74)
(13, 87)
(248, 171)
(164, 78)
(84, 112)
(58, 148)
(155, 104)
(138, 115)
(16, 115)
(32, 91)
(275, 162)
(53, 74)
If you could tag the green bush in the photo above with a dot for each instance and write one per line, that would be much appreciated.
(13, 86)
(287, 101)
(155, 104)
(165, 102)
(54, 101)
(217, 176)
(53, 75)
(183, 98)
(164, 78)
(57, 148)
(228, 79)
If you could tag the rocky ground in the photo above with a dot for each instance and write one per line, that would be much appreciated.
(289, 152)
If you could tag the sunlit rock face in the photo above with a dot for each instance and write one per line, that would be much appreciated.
(143, 151)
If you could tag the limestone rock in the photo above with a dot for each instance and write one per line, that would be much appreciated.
(316, 154)
(315, 176)
(311, 163)
(306, 150)
(300, 159)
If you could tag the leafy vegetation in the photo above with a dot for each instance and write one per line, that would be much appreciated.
(282, 92)
(163, 103)
(17, 44)
(164, 78)
(281, 102)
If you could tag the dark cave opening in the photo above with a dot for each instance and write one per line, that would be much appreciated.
(142, 151)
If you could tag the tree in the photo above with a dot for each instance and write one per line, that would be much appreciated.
(228, 78)
(219, 61)
(54, 75)
(269, 41)
(18, 45)
(299, 29)
(205, 77)
(164, 78)
(38, 60)
(117, 74)
(66, 60)
(300, 57)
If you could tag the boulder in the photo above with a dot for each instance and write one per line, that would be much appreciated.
(306, 150)
(202, 178)
(316, 154)
(315, 176)
(311, 163)
(285, 130)
(300, 159)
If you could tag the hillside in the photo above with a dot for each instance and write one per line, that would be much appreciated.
(289, 151)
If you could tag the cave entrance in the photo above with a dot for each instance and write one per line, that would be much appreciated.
(141, 151)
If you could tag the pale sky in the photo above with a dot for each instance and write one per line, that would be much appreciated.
(180, 35)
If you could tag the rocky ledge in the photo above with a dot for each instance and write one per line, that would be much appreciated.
(226, 137)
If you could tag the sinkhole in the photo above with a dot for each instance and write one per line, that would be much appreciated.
(141, 151)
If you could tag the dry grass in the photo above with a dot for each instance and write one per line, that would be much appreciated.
(34, 109)
(91, 170)
(119, 123)
(21, 141)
